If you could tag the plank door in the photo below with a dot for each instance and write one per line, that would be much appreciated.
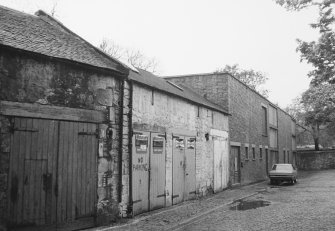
(140, 172)
(76, 173)
(189, 190)
(32, 170)
(268, 164)
(178, 169)
(235, 158)
(218, 165)
(157, 171)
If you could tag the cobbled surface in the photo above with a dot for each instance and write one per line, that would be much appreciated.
(307, 205)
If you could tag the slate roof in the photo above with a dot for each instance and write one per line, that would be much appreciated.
(151, 80)
(42, 34)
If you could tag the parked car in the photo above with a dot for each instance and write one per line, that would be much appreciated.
(283, 172)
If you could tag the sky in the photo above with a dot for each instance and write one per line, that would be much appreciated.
(197, 36)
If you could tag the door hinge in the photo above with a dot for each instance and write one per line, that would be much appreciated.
(96, 133)
(13, 129)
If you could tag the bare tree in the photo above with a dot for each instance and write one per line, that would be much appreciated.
(134, 57)
(53, 9)
(254, 79)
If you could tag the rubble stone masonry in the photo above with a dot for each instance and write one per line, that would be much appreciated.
(172, 113)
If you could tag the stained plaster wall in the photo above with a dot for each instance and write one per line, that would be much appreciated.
(171, 113)
(31, 79)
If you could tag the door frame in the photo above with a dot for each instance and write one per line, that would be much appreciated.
(238, 164)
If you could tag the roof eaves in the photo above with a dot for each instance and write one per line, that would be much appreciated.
(218, 108)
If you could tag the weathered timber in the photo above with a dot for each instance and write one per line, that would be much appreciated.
(50, 112)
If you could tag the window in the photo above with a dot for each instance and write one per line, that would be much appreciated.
(273, 135)
(284, 156)
(264, 121)
(260, 153)
(253, 153)
(266, 153)
(247, 153)
(198, 112)
(273, 116)
(152, 97)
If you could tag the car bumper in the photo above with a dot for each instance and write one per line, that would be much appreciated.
(274, 177)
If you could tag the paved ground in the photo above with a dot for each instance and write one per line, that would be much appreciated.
(307, 205)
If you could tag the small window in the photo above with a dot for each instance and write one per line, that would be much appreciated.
(284, 156)
(264, 121)
(179, 143)
(198, 115)
(253, 153)
(260, 153)
(158, 145)
(247, 153)
(266, 153)
(141, 144)
(190, 143)
(152, 97)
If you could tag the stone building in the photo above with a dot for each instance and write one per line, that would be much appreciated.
(63, 123)
(188, 139)
(85, 139)
(260, 132)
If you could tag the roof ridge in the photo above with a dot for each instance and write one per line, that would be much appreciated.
(17, 11)
(41, 14)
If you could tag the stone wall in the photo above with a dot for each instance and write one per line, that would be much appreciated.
(4, 164)
(315, 160)
(246, 128)
(32, 79)
(171, 113)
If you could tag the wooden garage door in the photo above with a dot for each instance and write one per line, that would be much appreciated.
(183, 168)
(52, 172)
(157, 171)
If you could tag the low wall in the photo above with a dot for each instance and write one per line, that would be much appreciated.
(314, 160)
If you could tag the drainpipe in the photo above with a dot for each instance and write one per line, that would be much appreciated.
(130, 148)
(121, 139)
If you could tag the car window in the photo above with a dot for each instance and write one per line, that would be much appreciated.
(283, 167)
(274, 167)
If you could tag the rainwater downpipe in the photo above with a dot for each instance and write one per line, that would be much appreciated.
(121, 139)
(130, 148)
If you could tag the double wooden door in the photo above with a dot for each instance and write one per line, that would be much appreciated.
(148, 171)
(183, 169)
(53, 168)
